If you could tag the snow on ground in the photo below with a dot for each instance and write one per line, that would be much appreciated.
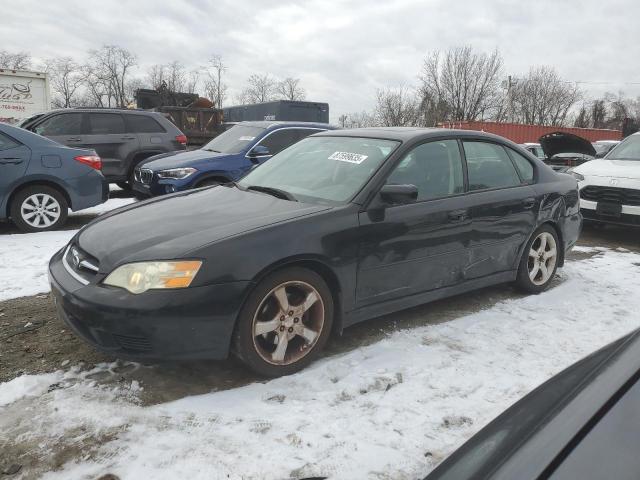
(24, 256)
(389, 410)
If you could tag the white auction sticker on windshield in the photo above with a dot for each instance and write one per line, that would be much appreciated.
(246, 139)
(348, 157)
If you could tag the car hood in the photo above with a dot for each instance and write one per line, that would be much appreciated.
(173, 226)
(603, 167)
(182, 159)
(560, 142)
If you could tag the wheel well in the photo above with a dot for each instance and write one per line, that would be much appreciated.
(47, 183)
(554, 225)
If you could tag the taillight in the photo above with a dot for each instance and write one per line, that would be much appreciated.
(93, 161)
(182, 139)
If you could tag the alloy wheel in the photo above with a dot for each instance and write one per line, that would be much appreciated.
(40, 210)
(543, 256)
(288, 323)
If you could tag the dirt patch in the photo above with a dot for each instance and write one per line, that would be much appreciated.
(33, 340)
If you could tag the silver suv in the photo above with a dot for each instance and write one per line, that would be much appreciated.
(122, 138)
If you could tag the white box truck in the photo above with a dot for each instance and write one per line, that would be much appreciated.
(22, 95)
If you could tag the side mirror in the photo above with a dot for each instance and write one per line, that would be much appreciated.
(395, 194)
(259, 151)
(600, 154)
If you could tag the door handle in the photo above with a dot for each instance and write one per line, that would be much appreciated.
(457, 215)
(11, 160)
(528, 203)
(73, 139)
(127, 138)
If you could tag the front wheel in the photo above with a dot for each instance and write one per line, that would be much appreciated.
(539, 261)
(285, 322)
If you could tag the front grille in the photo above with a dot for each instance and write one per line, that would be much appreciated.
(133, 344)
(620, 196)
(80, 264)
(146, 176)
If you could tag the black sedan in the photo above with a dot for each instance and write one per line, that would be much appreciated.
(339, 228)
(583, 424)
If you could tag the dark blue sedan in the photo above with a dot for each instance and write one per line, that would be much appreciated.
(40, 180)
(225, 158)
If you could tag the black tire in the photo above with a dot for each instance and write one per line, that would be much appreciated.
(527, 263)
(248, 347)
(124, 186)
(26, 224)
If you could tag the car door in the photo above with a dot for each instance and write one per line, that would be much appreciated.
(150, 134)
(14, 159)
(504, 207)
(107, 135)
(66, 128)
(420, 246)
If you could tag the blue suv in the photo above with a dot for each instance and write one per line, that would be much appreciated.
(225, 158)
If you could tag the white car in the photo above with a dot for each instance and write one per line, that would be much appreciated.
(610, 186)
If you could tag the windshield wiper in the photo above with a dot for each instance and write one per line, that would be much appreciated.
(276, 192)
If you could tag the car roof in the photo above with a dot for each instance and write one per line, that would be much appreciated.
(104, 110)
(405, 134)
(281, 123)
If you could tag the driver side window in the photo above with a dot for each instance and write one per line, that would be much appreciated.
(434, 167)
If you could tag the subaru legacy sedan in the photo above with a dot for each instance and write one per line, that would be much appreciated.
(343, 226)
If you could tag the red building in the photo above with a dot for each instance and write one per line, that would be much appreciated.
(520, 133)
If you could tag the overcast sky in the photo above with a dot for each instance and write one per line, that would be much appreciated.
(341, 50)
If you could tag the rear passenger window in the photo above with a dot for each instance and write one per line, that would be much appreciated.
(525, 169)
(489, 166)
(7, 142)
(143, 124)
(62, 124)
(105, 124)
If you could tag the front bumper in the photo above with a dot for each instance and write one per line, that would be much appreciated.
(190, 323)
(629, 216)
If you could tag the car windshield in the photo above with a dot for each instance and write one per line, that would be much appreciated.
(627, 150)
(234, 140)
(328, 170)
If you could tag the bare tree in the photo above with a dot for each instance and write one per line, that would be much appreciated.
(583, 118)
(259, 89)
(467, 82)
(290, 89)
(598, 114)
(397, 107)
(214, 86)
(66, 80)
(156, 76)
(15, 61)
(111, 65)
(357, 120)
(543, 98)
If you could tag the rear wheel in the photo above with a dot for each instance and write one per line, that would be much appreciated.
(285, 322)
(39, 208)
(539, 261)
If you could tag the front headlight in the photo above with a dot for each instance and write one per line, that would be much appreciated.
(177, 173)
(575, 174)
(143, 276)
